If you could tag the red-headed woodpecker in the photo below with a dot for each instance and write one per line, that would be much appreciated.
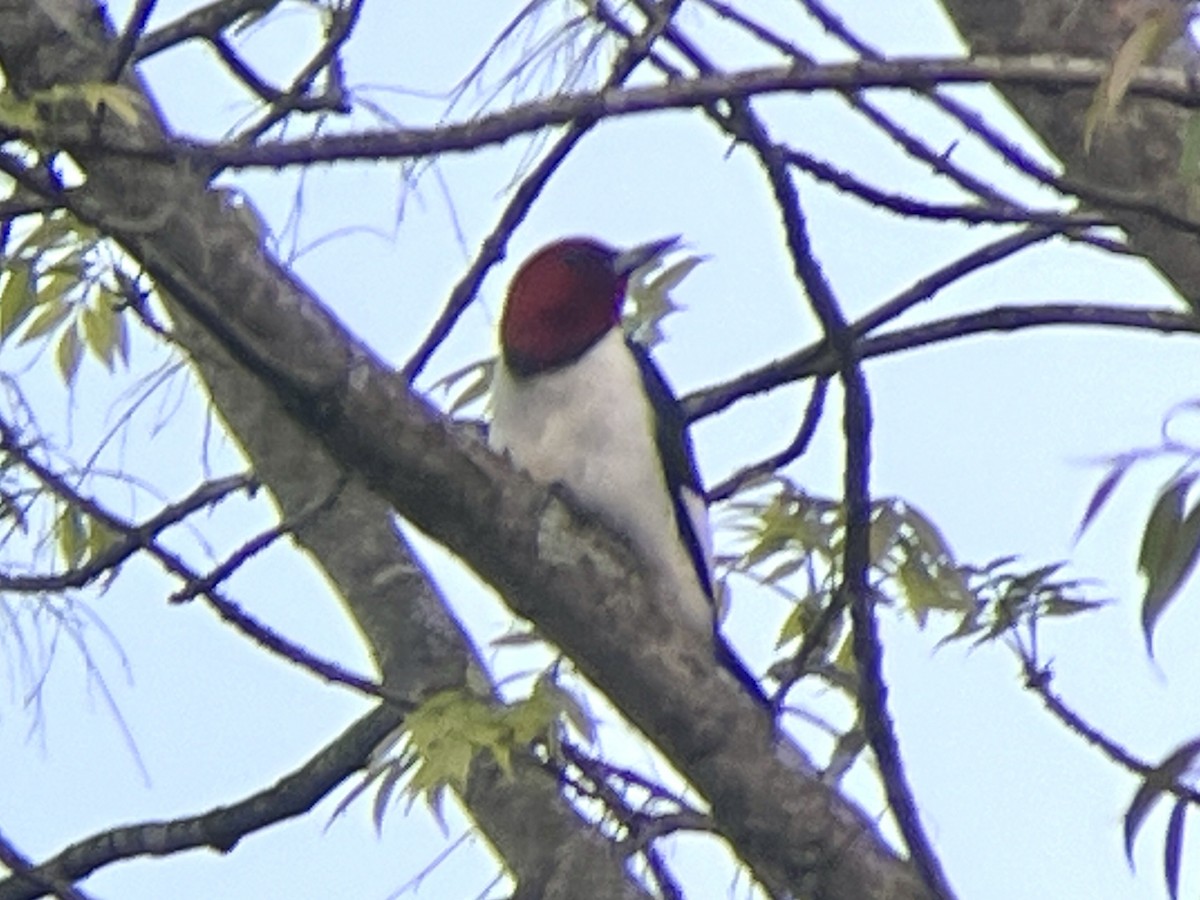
(575, 402)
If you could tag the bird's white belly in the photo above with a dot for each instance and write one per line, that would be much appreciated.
(590, 426)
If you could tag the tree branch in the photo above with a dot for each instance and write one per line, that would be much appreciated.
(222, 828)
(130, 538)
(205, 22)
(818, 360)
(418, 646)
(493, 248)
(1141, 149)
(540, 554)
(1043, 72)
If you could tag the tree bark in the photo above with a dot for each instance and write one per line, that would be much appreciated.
(1137, 156)
(417, 645)
(310, 403)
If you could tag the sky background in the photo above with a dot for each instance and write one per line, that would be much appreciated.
(991, 437)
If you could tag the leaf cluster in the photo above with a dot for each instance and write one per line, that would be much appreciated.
(60, 287)
(793, 535)
(1170, 544)
(444, 736)
(36, 114)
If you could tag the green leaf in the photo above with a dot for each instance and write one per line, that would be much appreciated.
(54, 230)
(1070, 606)
(46, 321)
(650, 299)
(17, 300)
(18, 114)
(844, 660)
(99, 332)
(794, 626)
(528, 638)
(673, 275)
(1030, 583)
(69, 354)
(846, 750)
(953, 590)
(99, 538)
(1162, 524)
(72, 536)
(791, 564)
(1189, 157)
(123, 101)
(476, 383)
(1169, 551)
(930, 540)
(559, 702)
(1103, 491)
(450, 728)
(886, 526)
(1149, 38)
(115, 308)
(55, 289)
(921, 593)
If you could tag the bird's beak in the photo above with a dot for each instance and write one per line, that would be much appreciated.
(635, 257)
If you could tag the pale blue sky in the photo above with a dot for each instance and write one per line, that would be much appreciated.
(985, 436)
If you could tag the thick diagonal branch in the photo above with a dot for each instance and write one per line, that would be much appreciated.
(260, 332)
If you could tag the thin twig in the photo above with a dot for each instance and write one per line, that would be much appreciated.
(1038, 680)
(254, 546)
(129, 540)
(203, 23)
(799, 444)
(915, 208)
(123, 52)
(344, 17)
(23, 869)
(223, 827)
(227, 609)
(494, 246)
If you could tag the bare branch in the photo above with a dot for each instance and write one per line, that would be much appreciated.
(343, 17)
(915, 208)
(494, 245)
(23, 869)
(134, 538)
(1051, 73)
(129, 539)
(816, 359)
(222, 828)
(124, 49)
(204, 23)
(794, 450)
(207, 583)
(915, 146)
(1038, 680)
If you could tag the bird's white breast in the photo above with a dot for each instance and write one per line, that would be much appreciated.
(590, 426)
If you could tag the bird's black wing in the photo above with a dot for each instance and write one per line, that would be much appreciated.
(678, 459)
(679, 466)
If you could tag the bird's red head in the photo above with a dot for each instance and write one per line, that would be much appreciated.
(566, 297)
